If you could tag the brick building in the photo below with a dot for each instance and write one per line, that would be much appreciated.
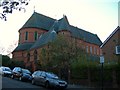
(111, 47)
(40, 29)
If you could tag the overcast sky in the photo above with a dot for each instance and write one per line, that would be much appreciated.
(96, 16)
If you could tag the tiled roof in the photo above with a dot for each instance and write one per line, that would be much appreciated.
(24, 46)
(54, 26)
(39, 21)
(63, 24)
(85, 35)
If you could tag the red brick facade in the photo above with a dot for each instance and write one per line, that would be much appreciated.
(23, 55)
(38, 26)
(109, 46)
(31, 32)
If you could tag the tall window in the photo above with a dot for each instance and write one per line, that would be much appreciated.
(91, 49)
(26, 35)
(35, 35)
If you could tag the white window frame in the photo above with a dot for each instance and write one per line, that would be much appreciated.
(116, 49)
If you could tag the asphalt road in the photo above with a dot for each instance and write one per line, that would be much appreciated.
(14, 84)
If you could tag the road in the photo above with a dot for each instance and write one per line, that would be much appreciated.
(14, 84)
(8, 83)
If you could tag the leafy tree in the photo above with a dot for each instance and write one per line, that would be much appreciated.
(5, 60)
(61, 54)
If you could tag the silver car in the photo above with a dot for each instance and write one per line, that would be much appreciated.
(48, 79)
(5, 71)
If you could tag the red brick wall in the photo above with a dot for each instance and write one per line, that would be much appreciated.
(19, 55)
(109, 48)
(23, 55)
(30, 34)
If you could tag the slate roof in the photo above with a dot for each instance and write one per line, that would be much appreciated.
(85, 35)
(39, 21)
(53, 26)
(24, 46)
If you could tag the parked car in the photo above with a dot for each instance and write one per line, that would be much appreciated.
(48, 79)
(5, 71)
(21, 74)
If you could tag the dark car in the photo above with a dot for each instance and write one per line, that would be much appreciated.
(48, 79)
(5, 71)
(21, 74)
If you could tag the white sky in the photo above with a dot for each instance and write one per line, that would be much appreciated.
(96, 16)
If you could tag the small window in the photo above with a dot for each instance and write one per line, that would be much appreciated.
(26, 36)
(117, 49)
(35, 35)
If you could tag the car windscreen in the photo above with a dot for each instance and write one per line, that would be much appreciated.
(6, 69)
(51, 75)
(26, 71)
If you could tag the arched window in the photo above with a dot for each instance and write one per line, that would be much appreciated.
(35, 55)
(26, 35)
(35, 35)
(28, 57)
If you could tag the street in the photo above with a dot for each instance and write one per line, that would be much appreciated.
(8, 83)
(14, 84)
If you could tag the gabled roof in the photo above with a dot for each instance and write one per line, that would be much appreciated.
(63, 24)
(118, 28)
(39, 21)
(45, 38)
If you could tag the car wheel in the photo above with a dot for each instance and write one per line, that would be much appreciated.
(47, 84)
(33, 81)
(20, 78)
(12, 76)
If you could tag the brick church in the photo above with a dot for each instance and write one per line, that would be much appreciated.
(39, 30)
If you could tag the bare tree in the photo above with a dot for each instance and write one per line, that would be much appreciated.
(2, 50)
(8, 6)
(11, 47)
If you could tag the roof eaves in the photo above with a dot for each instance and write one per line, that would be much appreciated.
(110, 36)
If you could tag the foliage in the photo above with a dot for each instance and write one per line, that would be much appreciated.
(7, 61)
(9, 5)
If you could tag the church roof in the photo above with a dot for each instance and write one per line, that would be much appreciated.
(39, 21)
(53, 26)
(24, 46)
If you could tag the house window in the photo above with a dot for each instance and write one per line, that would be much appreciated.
(117, 49)
(26, 35)
(35, 35)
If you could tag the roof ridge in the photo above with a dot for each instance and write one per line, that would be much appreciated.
(118, 28)
(44, 15)
(83, 30)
